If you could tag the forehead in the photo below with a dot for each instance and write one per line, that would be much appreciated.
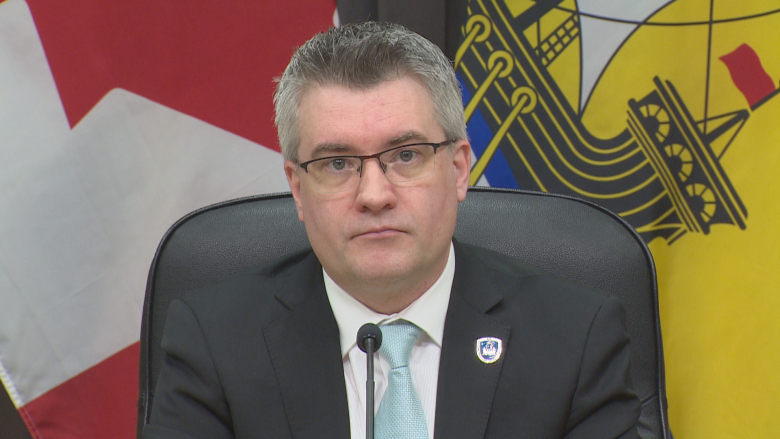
(366, 120)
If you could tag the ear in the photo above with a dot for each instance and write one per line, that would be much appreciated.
(294, 180)
(461, 159)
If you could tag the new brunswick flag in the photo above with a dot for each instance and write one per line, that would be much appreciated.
(665, 112)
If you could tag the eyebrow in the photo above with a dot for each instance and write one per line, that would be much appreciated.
(324, 149)
(409, 136)
(329, 148)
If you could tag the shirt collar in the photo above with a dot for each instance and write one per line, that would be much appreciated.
(428, 312)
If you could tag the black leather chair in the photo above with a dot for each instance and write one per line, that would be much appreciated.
(566, 236)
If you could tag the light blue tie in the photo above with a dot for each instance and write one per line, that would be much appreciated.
(400, 414)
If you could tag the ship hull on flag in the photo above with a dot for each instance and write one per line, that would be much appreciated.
(664, 112)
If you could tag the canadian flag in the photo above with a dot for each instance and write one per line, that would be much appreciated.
(116, 119)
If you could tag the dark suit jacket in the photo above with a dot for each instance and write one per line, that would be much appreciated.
(258, 356)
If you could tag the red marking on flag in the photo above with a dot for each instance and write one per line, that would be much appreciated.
(100, 402)
(212, 60)
(748, 74)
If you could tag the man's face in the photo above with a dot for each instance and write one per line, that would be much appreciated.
(381, 238)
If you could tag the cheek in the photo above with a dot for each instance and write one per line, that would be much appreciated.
(431, 205)
(443, 206)
(325, 218)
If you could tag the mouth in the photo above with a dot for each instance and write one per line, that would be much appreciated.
(378, 232)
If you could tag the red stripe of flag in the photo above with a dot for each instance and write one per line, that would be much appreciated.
(100, 402)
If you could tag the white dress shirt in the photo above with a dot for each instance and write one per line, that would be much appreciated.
(427, 312)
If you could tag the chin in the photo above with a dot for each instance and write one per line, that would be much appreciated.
(382, 272)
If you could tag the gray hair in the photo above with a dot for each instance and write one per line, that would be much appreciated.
(362, 56)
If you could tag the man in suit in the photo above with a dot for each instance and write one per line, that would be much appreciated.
(370, 122)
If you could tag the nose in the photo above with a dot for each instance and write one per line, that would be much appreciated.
(366, 160)
(375, 192)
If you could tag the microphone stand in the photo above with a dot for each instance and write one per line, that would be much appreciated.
(370, 387)
(369, 339)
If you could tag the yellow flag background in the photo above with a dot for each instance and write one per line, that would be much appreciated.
(719, 289)
(719, 293)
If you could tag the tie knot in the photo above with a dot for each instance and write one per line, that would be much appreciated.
(397, 341)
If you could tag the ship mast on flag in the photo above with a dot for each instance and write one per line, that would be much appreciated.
(662, 172)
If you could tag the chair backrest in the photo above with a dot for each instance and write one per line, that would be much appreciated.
(569, 237)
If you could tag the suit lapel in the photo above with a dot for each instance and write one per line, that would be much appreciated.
(306, 355)
(466, 385)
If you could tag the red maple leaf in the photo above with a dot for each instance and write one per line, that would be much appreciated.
(212, 60)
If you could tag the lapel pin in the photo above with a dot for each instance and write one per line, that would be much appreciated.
(489, 349)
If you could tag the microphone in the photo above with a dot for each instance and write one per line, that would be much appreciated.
(369, 339)
(369, 335)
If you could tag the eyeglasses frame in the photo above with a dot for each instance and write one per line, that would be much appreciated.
(363, 158)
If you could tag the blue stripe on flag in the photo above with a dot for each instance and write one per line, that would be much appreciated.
(497, 171)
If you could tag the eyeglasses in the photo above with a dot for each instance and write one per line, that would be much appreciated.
(400, 164)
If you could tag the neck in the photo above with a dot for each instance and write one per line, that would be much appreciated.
(390, 296)
(385, 301)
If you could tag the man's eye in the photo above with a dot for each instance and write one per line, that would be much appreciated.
(404, 156)
(337, 164)
(407, 155)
